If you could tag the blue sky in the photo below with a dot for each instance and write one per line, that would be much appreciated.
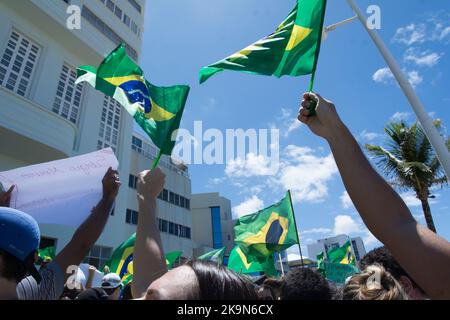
(182, 36)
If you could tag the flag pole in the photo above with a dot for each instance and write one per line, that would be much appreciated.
(156, 161)
(281, 264)
(296, 230)
(425, 120)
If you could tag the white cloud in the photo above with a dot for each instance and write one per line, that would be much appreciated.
(345, 200)
(369, 136)
(400, 116)
(249, 206)
(210, 104)
(305, 174)
(322, 231)
(413, 33)
(253, 165)
(383, 75)
(345, 224)
(414, 78)
(422, 59)
(288, 121)
(410, 200)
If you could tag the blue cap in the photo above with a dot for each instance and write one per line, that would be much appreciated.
(19, 233)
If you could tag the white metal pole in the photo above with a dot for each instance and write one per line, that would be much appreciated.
(424, 119)
(281, 264)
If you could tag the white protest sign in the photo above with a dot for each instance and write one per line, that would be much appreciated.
(60, 192)
(97, 279)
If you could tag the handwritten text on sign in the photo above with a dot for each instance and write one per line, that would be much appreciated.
(60, 192)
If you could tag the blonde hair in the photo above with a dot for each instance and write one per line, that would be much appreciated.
(374, 283)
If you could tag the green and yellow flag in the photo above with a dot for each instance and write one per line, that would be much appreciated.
(293, 49)
(342, 255)
(121, 261)
(157, 110)
(214, 255)
(48, 253)
(171, 257)
(239, 262)
(268, 231)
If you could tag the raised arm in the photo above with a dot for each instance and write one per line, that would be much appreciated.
(422, 253)
(148, 261)
(90, 230)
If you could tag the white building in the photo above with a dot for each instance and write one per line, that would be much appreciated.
(173, 204)
(44, 116)
(327, 244)
(212, 223)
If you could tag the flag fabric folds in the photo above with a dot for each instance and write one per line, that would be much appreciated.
(157, 110)
(239, 262)
(214, 255)
(48, 253)
(268, 231)
(293, 48)
(338, 264)
(121, 261)
(171, 257)
(342, 255)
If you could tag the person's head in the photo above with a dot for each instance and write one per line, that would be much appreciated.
(19, 242)
(374, 283)
(382, 256)
(201, 280)
(270, 289)
(112, 284)
(305, 284)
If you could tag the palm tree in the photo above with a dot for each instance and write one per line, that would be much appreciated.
(410, 163)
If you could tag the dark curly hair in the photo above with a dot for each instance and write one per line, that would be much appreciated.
(217, 282)
(384, 257)
(305, 284)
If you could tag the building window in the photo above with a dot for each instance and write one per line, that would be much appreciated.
(134, 27)
(103, 28)
(164, 226)
(67, 101)
(136, 144)
(126, 20)
(98, 255)
(177, 199)
(110, 5)
(18, 63)
(132, 181)
(109, 124)
(118, 12)
(182, 201)
(131, 217)
(217, 227)
(171, 228)
(187, 204)
(135, 5)
(165, 194)
(172, 197)
(355, 249)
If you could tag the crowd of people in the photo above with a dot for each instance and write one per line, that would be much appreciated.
(414, 262)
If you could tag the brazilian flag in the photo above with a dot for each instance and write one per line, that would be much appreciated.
(157, 110)
(268, 231)
(239, 262)
(46, 254)
(121, 261)
(292, 49)
(171, 257)
(342, 255)
(214, 255)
